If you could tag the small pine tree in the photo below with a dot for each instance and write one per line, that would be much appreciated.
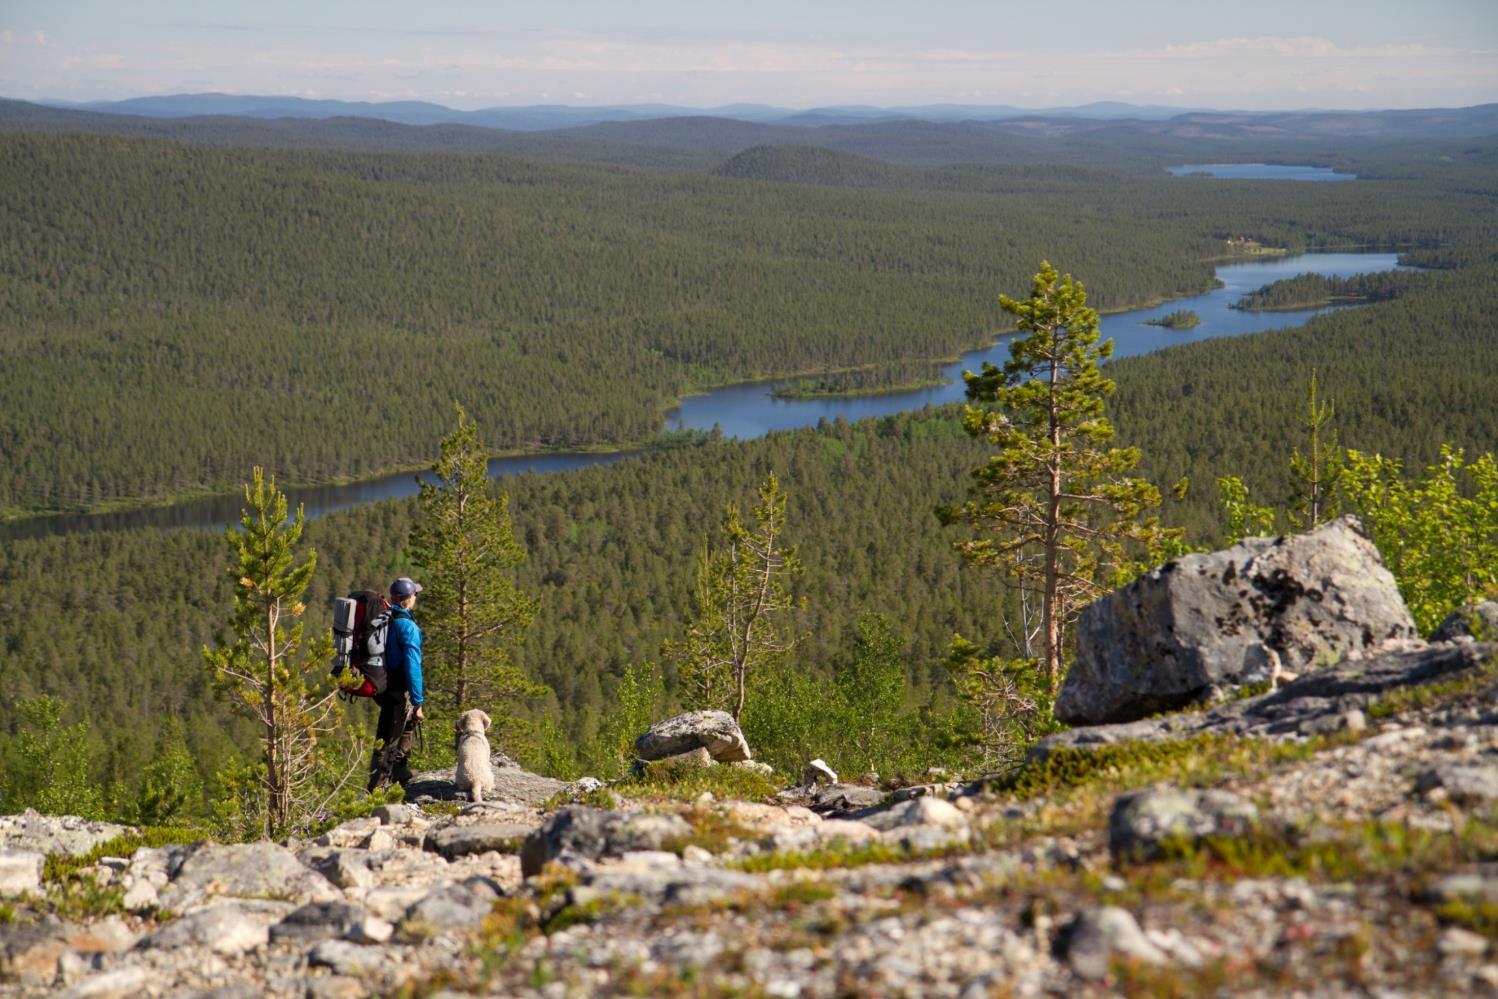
(1314, 474)
(743, 622)
(273, 672)
(472, 612)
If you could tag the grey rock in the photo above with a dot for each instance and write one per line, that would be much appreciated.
(715, 731)
(692, 759)
(1091, 940)
(1229, 618)
(640, 831)
(591, 833)
(231, 927)
(141, 895)
(453, 842)
(121, 982)
(1477, 621)
(579, 830)
(20, 872)
(48, 834)
(584, 785)
(839, 799)
(318, 921)
(394, 814)
(913, 812)
(1329, 692)
(344, 868)
(1467, 886)
(1144, 822)
(261, 870)
(511, 784)
(347, 958)
(1462, 783)
(818, 772)
(448, 908)
(1351, 720)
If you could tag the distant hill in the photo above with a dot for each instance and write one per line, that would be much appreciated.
(549, 116)
(350, 133)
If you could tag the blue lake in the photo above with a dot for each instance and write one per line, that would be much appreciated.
(1261, 171)
(748, 410)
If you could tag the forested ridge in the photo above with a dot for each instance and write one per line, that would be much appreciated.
(170, 315)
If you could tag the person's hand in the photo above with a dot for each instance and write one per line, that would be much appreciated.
(418, 716)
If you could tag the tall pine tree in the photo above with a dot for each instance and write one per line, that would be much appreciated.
(472, 613)
(1054, 504)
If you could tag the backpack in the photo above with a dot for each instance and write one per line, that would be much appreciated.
(360, 623)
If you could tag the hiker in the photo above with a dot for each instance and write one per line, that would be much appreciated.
(400, 704)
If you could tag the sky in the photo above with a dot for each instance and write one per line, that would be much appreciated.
(1230, 54)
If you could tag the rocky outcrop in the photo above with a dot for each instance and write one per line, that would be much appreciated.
(1207, 623)
(1324, 701)
(715, 731)
(67, 835)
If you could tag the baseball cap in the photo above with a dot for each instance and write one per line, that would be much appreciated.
(404, 587)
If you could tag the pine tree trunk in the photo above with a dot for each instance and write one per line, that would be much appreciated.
(1050, 612)
(274, 818)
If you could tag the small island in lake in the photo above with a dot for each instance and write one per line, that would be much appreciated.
(1181, 319)
(873, 379)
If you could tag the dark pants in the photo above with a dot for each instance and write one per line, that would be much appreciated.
(395, 734)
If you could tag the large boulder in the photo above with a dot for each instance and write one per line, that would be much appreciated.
(715, 731)
(1231, 618)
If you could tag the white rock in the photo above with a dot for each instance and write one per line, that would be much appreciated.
(818, 772)
(371, 930)
(20, 872)
(140, 895)
(1456, 941)
(120, 982)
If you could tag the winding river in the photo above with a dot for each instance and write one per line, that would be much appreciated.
(747, 410)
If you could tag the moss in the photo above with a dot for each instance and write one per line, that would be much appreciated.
(1416, 698)
(574, 913)
(1128, 765)
(687, 784)
(1480, 916)
(1342, 852)
(834, 856)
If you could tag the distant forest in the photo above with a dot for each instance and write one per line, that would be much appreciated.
(318, 311)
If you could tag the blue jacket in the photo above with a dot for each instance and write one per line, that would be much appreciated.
(403, 655)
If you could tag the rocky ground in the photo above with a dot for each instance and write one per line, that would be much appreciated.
(1334, 835)
(1354, 853)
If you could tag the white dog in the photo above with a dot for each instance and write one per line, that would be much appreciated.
(473, 773)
